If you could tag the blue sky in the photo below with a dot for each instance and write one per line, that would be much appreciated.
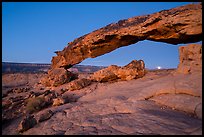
(32, 31)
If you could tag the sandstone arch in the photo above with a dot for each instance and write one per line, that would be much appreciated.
(178, 25)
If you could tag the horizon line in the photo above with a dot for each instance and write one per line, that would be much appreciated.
(155, 68)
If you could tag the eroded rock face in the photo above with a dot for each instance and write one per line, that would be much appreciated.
(178, 25)
(190, 58)
(135, 69)
(13, 107)
(106, 74)
(78, 84)
(57, 77)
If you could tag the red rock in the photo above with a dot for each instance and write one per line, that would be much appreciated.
(190, 59)
(58, 101)
(45, 116)
(57, 77)
(106, 74)
(27, 123)
(178, 25)
(135, 69)
(78, 84)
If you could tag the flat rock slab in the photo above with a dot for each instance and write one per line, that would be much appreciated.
(145, 118)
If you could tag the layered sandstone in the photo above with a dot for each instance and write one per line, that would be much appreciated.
(56, 77)
(190, 58)
(178, 25)
(135, 69)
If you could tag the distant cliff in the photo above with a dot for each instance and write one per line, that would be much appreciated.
(8, 67)
(12, 67)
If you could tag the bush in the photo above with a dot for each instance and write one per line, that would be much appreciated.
(35, 104)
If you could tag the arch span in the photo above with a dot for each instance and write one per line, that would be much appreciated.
(175, 26)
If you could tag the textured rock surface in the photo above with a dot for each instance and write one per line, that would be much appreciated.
(106, 74)
(57, 77)
(78, 84)
(143, 106)
(10, 82)
(135, 69)
(27, 123)
(161, 103)
(13, 106)
(178, 25)
(190, 58)
(58, 101)
(45, 116)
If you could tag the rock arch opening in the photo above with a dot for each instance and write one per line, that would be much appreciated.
(179, 25)
(154, 54)
(175, 26)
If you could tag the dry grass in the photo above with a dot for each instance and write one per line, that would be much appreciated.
(34, 104)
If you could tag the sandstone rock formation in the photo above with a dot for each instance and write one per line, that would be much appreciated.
(154, 104)
(158, 103)
(190, 58)
(13, 107)
(45, 116)
(58, 77)
(18, 90)
(178, 25)
(78, 84)
(58, 101)
(135, 69)
(27, 123)
(106, 74)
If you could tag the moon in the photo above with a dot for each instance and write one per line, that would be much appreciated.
(158, 67)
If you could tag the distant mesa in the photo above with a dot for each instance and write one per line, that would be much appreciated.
(13, 67)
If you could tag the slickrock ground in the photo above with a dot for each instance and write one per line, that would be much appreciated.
(19, 80)
(161, 102)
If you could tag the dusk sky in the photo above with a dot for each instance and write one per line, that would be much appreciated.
(33, 31)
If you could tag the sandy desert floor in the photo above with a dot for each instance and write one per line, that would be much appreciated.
(161, 103)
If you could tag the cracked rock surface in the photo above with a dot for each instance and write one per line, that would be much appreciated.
(155, 104)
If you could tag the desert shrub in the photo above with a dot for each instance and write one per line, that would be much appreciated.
(34, 104)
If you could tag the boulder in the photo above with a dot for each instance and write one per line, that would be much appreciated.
(57, 77)
(28, 122)
(106, 74)
(175, 26)
(45, 116)
(78, 84)
(135, 69)
(49, 96)
(190, 59)
(58, 101)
